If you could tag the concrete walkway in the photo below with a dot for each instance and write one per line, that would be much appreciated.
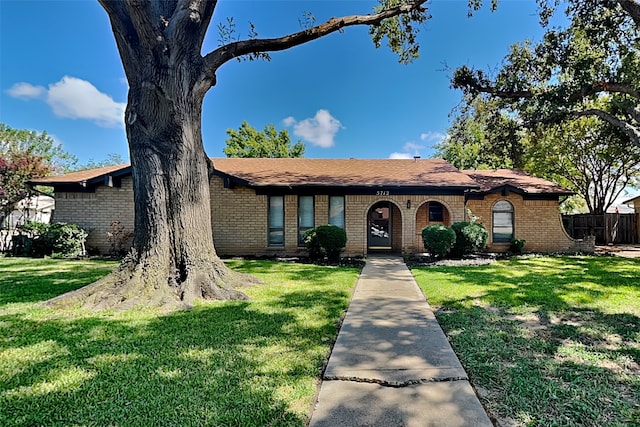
(392, 364)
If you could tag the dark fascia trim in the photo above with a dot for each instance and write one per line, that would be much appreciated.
(230, 181)
(76, 187)
(505, 190)
(380, 191)
(116, 178)
(111, 179)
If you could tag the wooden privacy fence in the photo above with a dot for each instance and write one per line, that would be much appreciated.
(608, 228)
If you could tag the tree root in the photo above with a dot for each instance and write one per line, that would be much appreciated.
(142, 285)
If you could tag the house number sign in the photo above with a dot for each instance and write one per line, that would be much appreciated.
(382, 193)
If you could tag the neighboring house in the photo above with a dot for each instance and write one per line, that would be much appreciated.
(635, 202)
(36, 208)
(263, 206)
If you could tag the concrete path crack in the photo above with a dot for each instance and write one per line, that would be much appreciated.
(395, 384)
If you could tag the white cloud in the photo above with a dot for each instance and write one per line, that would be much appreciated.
(26, 91)
(319, 130)
(289, 121)
(409, 150)
(401, 156)
(412, 147)
(432, 136)
(78, 99)
(75, 99)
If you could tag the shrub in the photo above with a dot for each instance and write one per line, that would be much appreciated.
(310, 239)
(56, 239)
(517, 246)
(470, 237)
(325, 240)
(438, 239)
(119, 238)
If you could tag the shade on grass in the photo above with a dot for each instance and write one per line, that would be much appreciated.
(222, 363)
(546, 341)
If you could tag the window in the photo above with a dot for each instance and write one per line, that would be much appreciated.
(502, 222)
(305, 216)
(336, 211)
(436, 212)
(276, 220)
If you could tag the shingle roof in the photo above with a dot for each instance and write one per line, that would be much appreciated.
(490, 180)
(78, 177)
(343, 172)
(268, 172)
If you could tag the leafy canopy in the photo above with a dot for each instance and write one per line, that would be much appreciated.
(249, 142)
(25, 155)
(571, 70)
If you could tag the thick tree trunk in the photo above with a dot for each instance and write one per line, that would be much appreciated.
(173, 262)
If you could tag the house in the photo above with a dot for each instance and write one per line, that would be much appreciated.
(34, 208)
(635, 202)
(263, 206)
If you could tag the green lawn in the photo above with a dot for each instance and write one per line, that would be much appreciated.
(252, 363)
(546, 341)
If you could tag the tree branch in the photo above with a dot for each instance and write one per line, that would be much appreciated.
(603, 86)
(223, 54)
(632, 7)
(632, 131)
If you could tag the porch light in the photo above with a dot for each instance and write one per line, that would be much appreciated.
(409, 204)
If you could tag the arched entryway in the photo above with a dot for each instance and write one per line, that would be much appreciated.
(384, 227)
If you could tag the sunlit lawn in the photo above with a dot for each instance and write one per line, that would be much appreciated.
(245, 363)
(546, 341)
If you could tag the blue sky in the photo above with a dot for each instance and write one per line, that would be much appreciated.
(60, 72)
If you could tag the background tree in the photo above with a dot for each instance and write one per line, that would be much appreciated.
(585, 155)
(113, 159)
(15, 170)
(36, 144)
(25, 155)
(482, 136)
(596, 56)
(590, 157)
(173, 260)
(249, 142)
(589, 69)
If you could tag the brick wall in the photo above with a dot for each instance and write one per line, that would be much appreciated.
(536, 221)
(94, 212)
(239, 219)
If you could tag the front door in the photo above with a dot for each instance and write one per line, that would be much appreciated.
(379, 226)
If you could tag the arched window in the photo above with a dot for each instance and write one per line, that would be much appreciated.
(502, 222)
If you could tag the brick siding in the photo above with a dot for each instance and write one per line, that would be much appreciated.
(538, 222)
(94, 212)
(239, 219)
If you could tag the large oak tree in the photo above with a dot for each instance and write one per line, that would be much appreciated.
(596, 56)
(173, 261)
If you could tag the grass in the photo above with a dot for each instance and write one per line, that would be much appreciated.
(252, 363)
(546, 341)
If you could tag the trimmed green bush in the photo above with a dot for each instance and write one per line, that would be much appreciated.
(56, 239)
(326, 240)
(470, 237)
(517, 246)
(438, 239)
